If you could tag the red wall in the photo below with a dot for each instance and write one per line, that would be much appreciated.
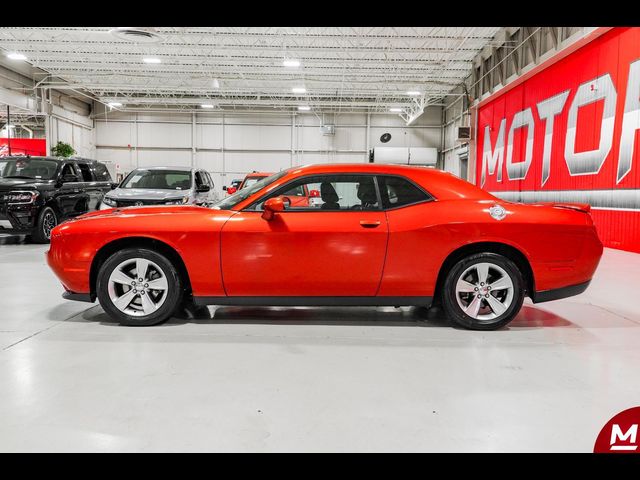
(24, 146)
(599, 163)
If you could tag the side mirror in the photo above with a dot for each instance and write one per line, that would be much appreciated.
(231, 190)
(203, 188)
(224, 188)
(271, 207)
(114, 186)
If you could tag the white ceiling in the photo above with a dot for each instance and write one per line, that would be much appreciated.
(343, 69)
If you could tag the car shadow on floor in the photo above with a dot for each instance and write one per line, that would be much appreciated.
(529, 317)
(10, 239)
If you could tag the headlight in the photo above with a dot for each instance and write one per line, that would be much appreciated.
(20, 197)
(109, 201)
(178, 201)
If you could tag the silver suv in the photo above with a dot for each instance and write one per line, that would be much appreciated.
(162, 186)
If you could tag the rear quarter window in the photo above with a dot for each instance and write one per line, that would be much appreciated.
(101, 173)
(398, 192)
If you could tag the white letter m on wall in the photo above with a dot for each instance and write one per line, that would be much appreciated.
(493, 158)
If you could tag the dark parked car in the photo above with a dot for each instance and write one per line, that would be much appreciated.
(37, 193)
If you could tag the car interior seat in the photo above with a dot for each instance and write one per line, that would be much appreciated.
(367, 194)
(182, 185)
(329, 197)
(159, 182)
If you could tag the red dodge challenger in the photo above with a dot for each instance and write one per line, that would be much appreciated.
(378, 235)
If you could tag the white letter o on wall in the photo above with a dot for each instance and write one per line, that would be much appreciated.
(517, 171)
(590, 162)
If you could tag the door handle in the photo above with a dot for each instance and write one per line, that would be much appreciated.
(369, 223)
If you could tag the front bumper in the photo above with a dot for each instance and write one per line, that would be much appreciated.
(18, 218)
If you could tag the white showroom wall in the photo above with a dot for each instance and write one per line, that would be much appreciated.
(231, 145)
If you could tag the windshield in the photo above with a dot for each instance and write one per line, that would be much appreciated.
(158, 179)
(241, 195)
(251, 181)
(34, 168)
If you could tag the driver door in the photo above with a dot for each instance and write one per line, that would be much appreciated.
(335, 247)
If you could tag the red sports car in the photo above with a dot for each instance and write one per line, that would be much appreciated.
(380, 235)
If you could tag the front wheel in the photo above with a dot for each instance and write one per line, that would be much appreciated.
(47, 219)
(139, 287)
(484, 291)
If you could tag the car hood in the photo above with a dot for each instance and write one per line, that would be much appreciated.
(8, 184)
(143, 210)
(164, 217)
(146, 194)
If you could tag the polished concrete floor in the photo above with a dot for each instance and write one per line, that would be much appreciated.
(300, 379)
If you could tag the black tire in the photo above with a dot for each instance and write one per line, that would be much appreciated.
(456, 313)
(42, 231)
(174, 292)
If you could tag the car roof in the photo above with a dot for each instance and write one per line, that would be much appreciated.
(438, 183)
(363, 167)
(179, 169)
(34, 157)
(55, 159)
(259, 174)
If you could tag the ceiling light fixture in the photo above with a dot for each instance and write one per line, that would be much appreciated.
(395, 109)
(16, 56)
(206, 105)
(414, 93)
(304, 108)
(151, 60)
(291, 62)
(114, 104)
(216, 83)
(299, 90)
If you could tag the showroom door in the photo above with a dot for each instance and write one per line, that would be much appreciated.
(334, 246)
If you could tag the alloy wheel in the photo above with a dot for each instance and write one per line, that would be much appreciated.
(484, 291)
(48, 223)
(137, 287)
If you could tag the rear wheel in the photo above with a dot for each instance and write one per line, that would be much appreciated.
(47, 219)
(484, 291)
(139, 287)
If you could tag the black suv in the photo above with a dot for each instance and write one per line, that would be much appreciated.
(37, 193)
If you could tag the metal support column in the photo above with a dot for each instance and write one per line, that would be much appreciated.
(193, 140)
(8, 129)
(223, 160)
(368, 141)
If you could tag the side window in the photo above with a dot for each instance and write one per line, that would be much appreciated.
(210, 180)
(396, 192)
(68, 169)
(200, 179)
(85, 171)
(298, 191)
(101, 172)
(329, 192)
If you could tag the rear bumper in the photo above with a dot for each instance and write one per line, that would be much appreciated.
(558, 293)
